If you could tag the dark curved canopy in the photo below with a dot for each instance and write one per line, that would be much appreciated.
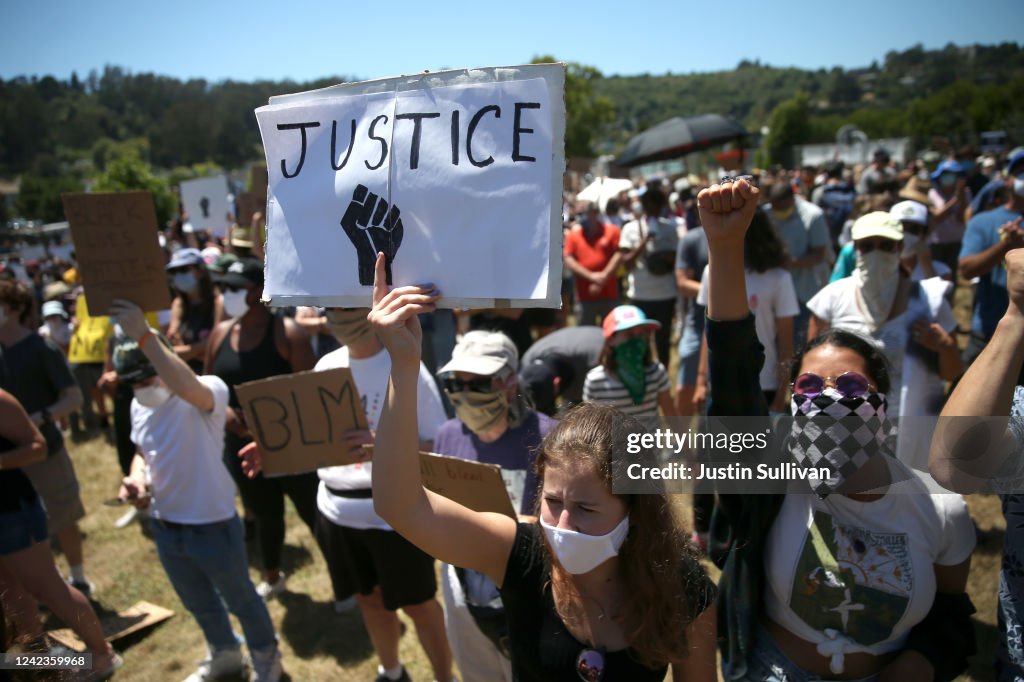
(678, 136)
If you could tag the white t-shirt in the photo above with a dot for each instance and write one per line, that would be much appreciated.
(837, 305)
(183, 447)
(642, 285)
(371, 376)
(861, 573)
(770, 295)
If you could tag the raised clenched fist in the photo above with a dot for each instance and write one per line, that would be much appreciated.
(373, 228)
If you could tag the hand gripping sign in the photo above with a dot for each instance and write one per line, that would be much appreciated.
(456, 176)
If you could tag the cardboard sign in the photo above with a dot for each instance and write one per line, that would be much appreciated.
(474, 485)
(118, 625)
(249, 203)
(117, 249)
(299, 419)
(258, 181)
(206, 202)
(455, 176)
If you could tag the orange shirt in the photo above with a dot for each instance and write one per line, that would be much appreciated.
(594, 254)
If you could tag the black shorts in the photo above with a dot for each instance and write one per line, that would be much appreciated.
(360, 559)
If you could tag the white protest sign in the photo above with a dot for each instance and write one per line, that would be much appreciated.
(206, 201)
(456, 176)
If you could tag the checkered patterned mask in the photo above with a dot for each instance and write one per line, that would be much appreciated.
(841, 433)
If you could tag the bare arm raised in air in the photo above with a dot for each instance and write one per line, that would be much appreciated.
(440, 527)
(985, 390)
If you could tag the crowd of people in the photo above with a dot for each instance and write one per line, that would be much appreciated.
(817, 293)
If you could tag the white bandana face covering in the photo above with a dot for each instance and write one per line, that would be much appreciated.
(838, 432)
(580, 553)
(877, 284)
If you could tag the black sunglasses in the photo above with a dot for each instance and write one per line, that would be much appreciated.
(916, 229)
(886, 245)
(231, 288)
(456, 385)
(590, 665)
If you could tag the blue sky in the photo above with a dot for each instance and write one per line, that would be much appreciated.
(308, 39)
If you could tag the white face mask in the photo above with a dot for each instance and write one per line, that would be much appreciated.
(235, 304)
(1018, 186)
(152, 396)
(580, 553)
(638, 208)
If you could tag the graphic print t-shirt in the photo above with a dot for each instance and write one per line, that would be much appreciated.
(862, 572)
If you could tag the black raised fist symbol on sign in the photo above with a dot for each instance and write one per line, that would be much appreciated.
(204, 204)
(372, 228)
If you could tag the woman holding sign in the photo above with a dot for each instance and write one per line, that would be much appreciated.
(604, 587)
(255, 344)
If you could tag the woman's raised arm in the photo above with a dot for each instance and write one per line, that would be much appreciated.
(440, 527)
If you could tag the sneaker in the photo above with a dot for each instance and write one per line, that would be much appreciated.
(381, 677)
(98, 674)
(266, 667)
(268, 590)
(345, 605)
(221, 664)
(87, 587)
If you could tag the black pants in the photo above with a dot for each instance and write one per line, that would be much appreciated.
(265, 497)
(663, 311)
(123, 395)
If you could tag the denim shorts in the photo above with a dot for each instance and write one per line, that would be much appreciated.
(768, 663)
(689, 356)
(23, 527)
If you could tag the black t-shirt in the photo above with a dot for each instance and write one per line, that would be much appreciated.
(14, 484)
(35, 372)
(542, 647)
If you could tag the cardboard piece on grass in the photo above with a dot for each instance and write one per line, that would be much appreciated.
(455, 175)
(117, 249)
(299, 419)
(118, 625)
(206, 202)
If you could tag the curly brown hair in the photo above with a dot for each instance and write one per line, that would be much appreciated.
(655, 554)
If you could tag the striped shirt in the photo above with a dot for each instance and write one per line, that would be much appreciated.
(605, 388)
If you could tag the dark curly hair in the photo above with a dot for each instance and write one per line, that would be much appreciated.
(877, 365)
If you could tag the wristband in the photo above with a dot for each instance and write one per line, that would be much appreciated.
(144, 338)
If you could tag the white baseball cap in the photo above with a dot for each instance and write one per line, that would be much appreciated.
(910, 211)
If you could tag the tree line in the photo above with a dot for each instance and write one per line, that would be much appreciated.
(62, 135)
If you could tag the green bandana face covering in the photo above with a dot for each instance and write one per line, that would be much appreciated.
(629, 361)
(479, 411)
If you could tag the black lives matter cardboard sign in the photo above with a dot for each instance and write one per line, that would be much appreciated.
(299, 420)
(117, 249)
